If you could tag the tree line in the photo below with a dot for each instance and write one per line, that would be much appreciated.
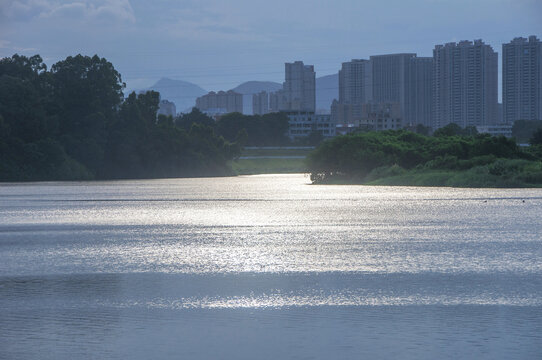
(72, 122)
(249, 130)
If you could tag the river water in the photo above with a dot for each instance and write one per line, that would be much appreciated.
(268, 267)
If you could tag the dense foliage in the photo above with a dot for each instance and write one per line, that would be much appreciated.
(406, 158)
(250, 130)
(73, 122)
(524, 130)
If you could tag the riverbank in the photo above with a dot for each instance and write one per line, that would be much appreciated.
(272, 160)
(409, 159)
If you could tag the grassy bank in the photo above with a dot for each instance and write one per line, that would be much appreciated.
(271, 161)
(268, 166)
(273, 152)
(500, 174)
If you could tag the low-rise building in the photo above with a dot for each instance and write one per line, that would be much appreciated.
(496, 130)
(381, 116)
(302, 124)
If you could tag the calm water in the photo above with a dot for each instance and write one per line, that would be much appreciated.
(268, 267)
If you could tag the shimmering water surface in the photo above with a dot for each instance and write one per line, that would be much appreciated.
(268, 267)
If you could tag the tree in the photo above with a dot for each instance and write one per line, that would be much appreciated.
(185, 121)
(536, 139)
(85, 95)
(22, 67)
(451, 129)
(266, 130)
(523, 130)
(82, 86)
(423, 130)
(315, 138)
(22, 109)
(470, 131)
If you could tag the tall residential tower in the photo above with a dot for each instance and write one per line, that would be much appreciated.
(420, 91)
(355, 82)
(522, 79)
(260, 103)
(465, 86)
(299, 88)
(407, 80)
(402, 79)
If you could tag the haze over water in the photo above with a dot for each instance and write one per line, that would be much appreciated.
(268, 267)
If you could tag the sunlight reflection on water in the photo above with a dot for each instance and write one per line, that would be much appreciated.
(195, 225)
(109, 254)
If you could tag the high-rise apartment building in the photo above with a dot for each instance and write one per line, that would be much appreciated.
(299, 87)
(260, 103)
(391, 81)
(522, 79)
(276, 101)
(355, 89)
(420, 91)
(465, 86)
(402, 79)
(355, 82)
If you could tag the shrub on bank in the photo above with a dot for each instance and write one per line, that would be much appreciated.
(404, 158)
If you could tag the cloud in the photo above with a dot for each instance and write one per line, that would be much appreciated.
(24, 9)
(116, 9)
(211, 21)
(69, 11)
(86, 10)
(105, 10)
(7, 49)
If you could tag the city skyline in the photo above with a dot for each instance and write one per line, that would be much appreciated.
(414, 71)
(459, 84)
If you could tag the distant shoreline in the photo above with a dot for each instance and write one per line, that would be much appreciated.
(429, 179)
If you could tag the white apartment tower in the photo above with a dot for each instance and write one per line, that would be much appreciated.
(260, 103)
(522, 79)
(465, 86)
(299, 87)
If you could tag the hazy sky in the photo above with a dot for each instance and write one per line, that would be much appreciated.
(218, 44)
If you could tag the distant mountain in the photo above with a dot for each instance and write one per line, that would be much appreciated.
(254, 87)
(182, 93)
(327, 89)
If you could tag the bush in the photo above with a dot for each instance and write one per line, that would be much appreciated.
(406, 158)
(384, 172)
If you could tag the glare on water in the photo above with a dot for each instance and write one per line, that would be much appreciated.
(114, 256)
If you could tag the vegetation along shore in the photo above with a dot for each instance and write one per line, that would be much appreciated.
(446, 159)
